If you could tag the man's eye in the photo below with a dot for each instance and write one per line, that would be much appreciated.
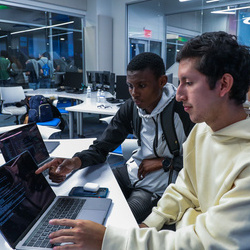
(142, 86)
(130, 85)
(189, 83)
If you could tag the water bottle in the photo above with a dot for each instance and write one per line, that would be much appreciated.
(102, 97)
(88, 92)
(98, 95)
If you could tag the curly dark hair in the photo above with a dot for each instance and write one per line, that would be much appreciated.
(218, 53)
(148, 60)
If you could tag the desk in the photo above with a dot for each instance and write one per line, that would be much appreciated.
(56, 94)
(89, 105)
(85, 105)
(120, 214)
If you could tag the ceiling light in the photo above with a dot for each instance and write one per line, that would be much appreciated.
(184, 0)
(223, 12)
(211, 1)
(229, 10)
(40, 28)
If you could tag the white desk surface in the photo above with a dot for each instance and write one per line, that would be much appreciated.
(92, 106)
(54, 93)
(120, 214)
(89, 105)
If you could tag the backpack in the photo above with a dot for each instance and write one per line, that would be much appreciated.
(46, 70)
(168, 127)
(40, 109)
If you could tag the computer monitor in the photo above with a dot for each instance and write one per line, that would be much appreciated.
(102, 80)
(74, 82)
(95, 79)
(108, 81)
(59, 78)
(122, 91)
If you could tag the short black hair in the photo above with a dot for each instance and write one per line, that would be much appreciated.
(148, 60)
(46, 54)
(218, 53)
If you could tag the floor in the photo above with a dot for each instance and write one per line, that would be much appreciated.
(92, 128)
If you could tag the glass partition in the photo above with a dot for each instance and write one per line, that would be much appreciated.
(32, 34)
(173, 23)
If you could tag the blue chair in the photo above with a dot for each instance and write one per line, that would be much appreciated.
(53, 123)
(118, 150)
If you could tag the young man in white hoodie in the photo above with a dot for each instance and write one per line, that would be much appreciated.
(143, 178)
(210, 200)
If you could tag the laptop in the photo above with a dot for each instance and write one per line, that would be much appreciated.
(27, 200)
(28, 137)
(51, 145)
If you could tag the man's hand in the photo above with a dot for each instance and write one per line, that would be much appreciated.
(149, 165)
(60, 167)
(83, 234)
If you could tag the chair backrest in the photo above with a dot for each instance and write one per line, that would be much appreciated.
(12, 94)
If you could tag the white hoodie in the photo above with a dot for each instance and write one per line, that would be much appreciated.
(210, 201)
(156, 181)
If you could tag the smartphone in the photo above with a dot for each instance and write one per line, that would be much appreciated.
(79, 191)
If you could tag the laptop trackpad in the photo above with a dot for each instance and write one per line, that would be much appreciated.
(93, 215)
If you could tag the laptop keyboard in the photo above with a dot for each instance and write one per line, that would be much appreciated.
(63, 208)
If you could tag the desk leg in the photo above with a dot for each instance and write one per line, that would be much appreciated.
(71, 121)
(80, 125)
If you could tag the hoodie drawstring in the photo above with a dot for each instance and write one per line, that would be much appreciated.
(155, 143)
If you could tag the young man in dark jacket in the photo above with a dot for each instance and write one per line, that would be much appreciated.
(146, 174)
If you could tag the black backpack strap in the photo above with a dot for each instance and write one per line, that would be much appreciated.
(168, 127)
(137, 124)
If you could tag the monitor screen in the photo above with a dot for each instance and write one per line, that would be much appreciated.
(59, 78)
(108, 81)
(94, 76)
(122, 91)
(73, 80)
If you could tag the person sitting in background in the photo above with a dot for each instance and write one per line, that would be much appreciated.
(144, 177)
(4, 69)
(210, 200)
(33, 72)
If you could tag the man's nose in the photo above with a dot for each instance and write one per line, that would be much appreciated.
(180, 93)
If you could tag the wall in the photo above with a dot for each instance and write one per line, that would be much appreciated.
(115, 57)
(78, 7)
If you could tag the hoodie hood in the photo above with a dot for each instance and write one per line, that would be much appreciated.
(236, 130)
(169, 91)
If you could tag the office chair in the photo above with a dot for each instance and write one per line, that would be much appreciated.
(10, 96)
(54, 123)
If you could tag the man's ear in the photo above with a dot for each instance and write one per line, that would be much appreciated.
(163, 80)
(226, 84)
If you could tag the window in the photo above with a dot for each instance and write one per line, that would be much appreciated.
(26, 34)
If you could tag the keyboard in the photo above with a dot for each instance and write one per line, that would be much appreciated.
(63, 208)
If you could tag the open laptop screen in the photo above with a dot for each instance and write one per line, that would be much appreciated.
(24, 197)
(28, 137)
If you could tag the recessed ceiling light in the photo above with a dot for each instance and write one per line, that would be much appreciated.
(229, 10)
(211, 1)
